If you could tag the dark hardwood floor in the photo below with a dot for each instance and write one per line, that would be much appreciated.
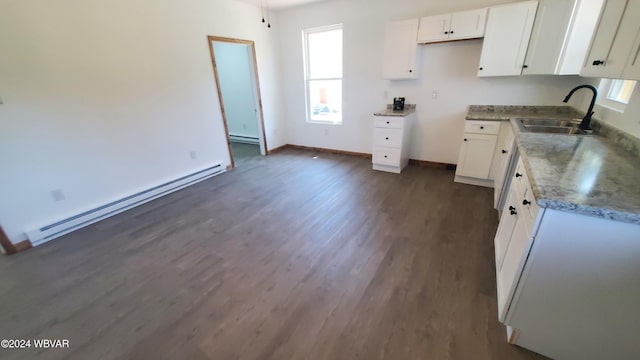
(292, 256)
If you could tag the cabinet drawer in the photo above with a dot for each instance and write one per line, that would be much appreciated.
(482, 127)
(386, 156)
(387, 137)
(520, 179)
(389, 122)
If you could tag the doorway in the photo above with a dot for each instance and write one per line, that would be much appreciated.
(236, 73)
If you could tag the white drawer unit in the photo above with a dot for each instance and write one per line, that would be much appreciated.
(391, 142)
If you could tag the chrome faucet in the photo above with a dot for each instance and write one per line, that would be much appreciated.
(586, 120)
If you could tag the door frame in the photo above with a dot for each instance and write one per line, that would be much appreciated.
(252, 46)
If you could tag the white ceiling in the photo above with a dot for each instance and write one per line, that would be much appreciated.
(279, 4)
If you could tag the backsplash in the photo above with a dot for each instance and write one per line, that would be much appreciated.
(622, 139)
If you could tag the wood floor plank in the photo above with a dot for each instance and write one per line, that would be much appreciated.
(298, 255)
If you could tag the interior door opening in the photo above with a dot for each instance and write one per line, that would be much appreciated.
(236, 74)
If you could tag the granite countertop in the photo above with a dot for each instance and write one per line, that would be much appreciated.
(501, 113)
(408, 109)
(590, 175)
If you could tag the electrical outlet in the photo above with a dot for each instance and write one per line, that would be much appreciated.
(193, 155)
(57, 195)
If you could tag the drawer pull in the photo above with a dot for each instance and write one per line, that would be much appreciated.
(518, 175)
(526, 202)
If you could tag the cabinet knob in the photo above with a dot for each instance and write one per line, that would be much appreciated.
(598, 62)
(481, 68)
(525, 66)
(446, 32)
(451, 32)
(518, 175)
(513, 212)
(512, 208)
(385, 156)
(387, 122)
(465, 139)
(410, 70)
(387, 138)
(526, 202)
(504, 151)
(481, 127)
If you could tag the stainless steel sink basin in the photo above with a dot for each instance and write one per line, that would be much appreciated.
(552, 126)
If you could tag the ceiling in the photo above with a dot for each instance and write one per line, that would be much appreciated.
(279, 4)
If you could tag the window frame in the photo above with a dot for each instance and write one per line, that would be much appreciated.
(605, 101)
(308, 80)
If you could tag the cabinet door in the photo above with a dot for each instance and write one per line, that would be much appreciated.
(434, 28)
(501, 161)
(512, 264)
(547, 36)
(505, 228)
(476, 154)
(632, 68)
(468, 24)
(606, 56)
(506, 38)
(400, 50)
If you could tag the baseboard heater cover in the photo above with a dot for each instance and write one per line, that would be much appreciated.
(49, 232)
(244, 139)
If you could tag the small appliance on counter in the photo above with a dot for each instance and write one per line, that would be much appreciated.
(398, 104)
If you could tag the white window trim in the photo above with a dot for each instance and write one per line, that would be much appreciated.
(305, 41)
(605, 101)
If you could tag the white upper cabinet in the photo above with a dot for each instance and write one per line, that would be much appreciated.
(400, 50)
(614, 44)
(461, 25)
(506, 38)
(434, 28)
(561, 35)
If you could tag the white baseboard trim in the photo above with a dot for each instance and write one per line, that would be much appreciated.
(51, 231)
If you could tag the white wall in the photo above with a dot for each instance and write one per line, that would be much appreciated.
(106, 98)
(449, 68)
(629, 121)
(237, 85)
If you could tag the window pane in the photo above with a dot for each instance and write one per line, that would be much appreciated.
(325, 100)
(621, 90)
(325, 54)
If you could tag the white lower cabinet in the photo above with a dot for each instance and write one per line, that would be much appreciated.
(512, 242)
(391, 142)
(476, 152)
(567, 284)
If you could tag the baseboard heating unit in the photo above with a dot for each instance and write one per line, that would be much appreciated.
(244, 139)
(65, 226)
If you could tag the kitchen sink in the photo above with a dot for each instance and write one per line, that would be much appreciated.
(552, 126)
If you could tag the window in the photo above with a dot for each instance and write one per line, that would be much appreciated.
(323, 74)
(616, 93)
